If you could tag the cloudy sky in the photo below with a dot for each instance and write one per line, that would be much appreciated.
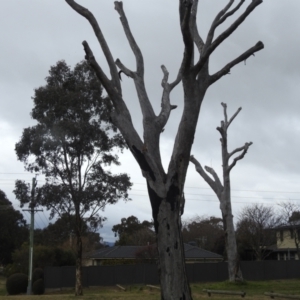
(36, 34)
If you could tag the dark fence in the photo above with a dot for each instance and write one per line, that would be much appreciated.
(62, 277)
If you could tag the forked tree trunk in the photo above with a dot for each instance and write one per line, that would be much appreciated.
(166, 188)
(223, 192)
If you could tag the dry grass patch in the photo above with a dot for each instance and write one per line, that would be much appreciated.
(254, 290)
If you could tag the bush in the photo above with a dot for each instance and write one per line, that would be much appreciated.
(37, 274)
(38, 287)
(17, 284)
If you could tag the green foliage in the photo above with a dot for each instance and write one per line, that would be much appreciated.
(71, 143)
(206, 232)
(13, 229)
(132, 232)
(61, 233)
(17, 284)
(37, 274)
(38, 287)
(43, 256)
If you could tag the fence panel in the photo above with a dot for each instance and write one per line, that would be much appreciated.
(59, 277)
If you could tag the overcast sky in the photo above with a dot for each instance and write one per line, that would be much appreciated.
(36, 34)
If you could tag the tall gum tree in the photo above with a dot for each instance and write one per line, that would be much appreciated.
(71, 144)
(223, 192)
(165, 187)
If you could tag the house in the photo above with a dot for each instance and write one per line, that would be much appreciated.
(132, 254)
(288, 242)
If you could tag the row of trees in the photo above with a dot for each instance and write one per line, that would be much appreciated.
(257, 226)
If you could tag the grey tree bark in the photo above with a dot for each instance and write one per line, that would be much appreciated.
(223, 190)
(165, 187)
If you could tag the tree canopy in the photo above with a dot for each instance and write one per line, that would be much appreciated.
(73, 144)
(133, 232)
(206, 232)
(13, 229)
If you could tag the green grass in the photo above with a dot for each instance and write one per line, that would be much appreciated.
(254, 290)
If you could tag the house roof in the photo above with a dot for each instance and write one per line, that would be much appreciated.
(293, 225)
(191, 252)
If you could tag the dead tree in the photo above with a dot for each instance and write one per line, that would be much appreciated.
(165, 187)
(222, 191)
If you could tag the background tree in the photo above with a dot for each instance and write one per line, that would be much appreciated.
(71, 144)
(61, 234)
(165, 187)
(290, 218)
(13, 230)
(44, 256)
(207, 232)
(132, 232)
(255, 229)
(223, 192)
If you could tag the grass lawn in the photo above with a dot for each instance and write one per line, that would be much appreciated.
(254, 290)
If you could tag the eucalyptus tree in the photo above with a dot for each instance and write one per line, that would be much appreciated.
(71, 144)
(165, 187)
(222, 189)
(13, 229)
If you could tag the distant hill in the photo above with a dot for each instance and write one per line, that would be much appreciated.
(109, 244)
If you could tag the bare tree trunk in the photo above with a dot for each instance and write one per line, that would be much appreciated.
(166, 188)
(78, 272)
(171, 265)
(234, 270)
(78, 284)
(223, 192)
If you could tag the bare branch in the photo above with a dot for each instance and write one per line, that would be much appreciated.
(98, 70)
(215, 24)
(214, 174)
(193, 26)
(233, 117)
(185, 14)
(215, 184)
(226, 70)
(225, 112)
(241, 156)
(136, 50)
(230, 13)
(138, 76)
(166, 107)
(126, 71)
(209, 50)
(90, 17)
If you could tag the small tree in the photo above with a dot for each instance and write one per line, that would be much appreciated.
(165, 187)
(133, 232)
(206, 232)
(71, 144)
(223, 192)
(255, 229)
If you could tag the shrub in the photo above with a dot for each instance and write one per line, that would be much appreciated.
(37, 274)
(38, 287)
(16, 284)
